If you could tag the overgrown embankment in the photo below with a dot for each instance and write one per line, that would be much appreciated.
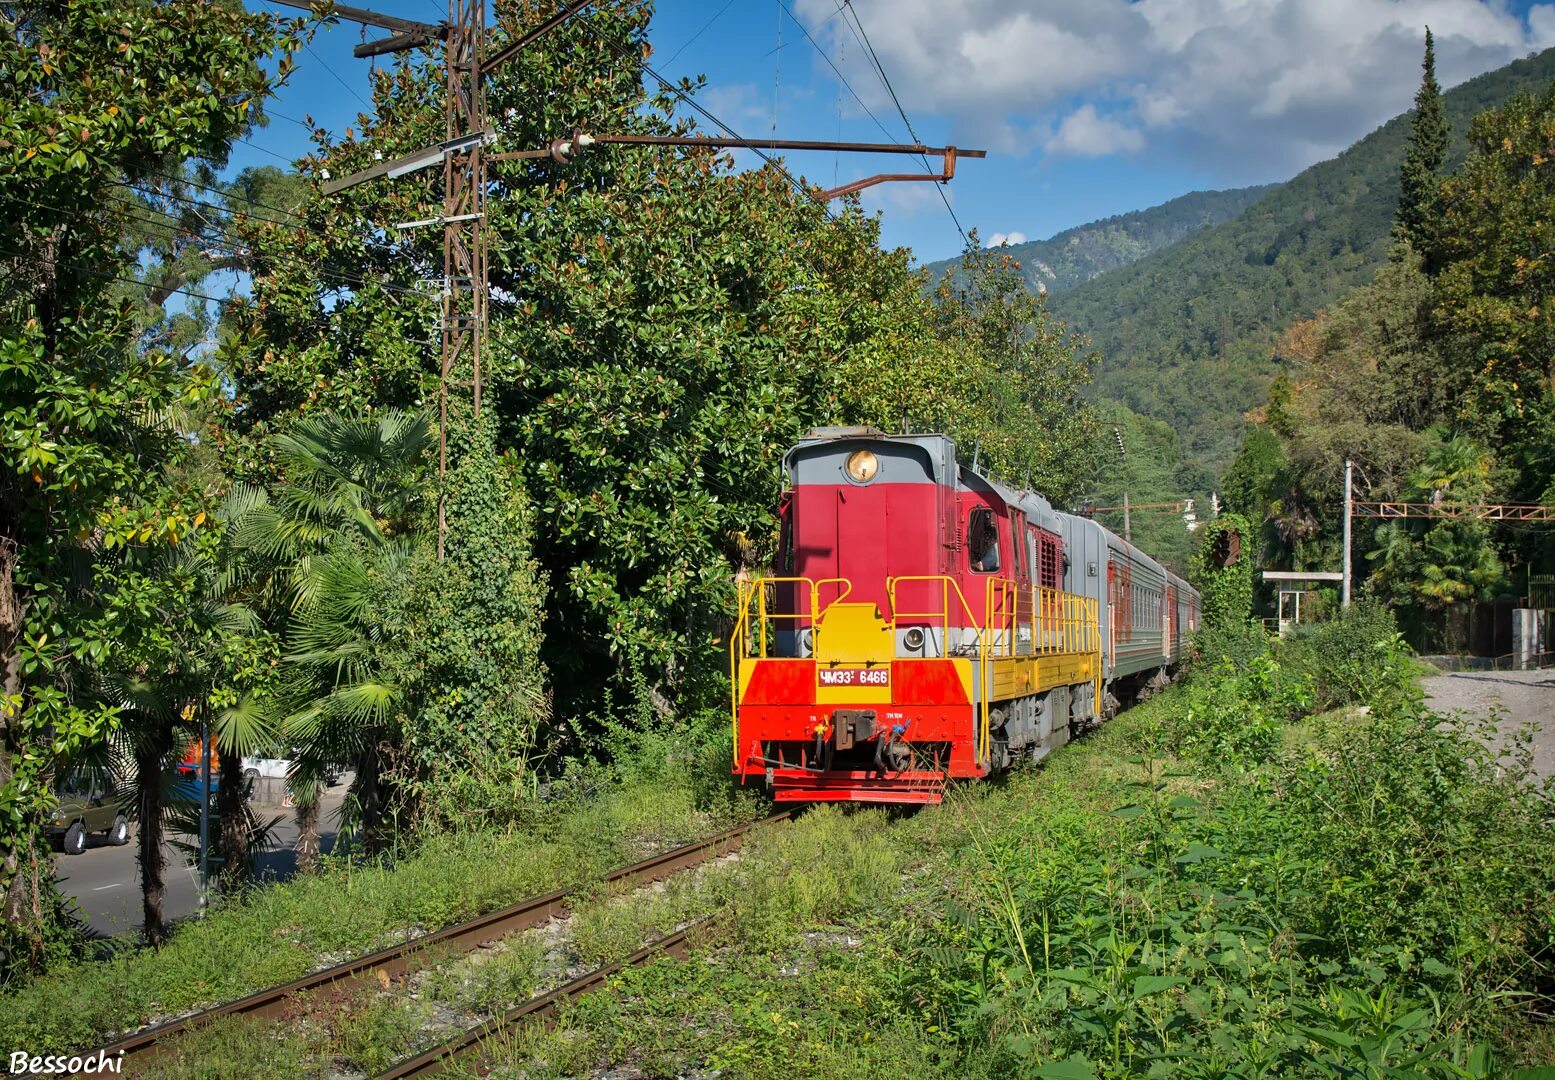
(1285, 867)
(593, 825)
(1217, 884)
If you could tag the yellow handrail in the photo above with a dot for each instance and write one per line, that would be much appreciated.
(1058, 623)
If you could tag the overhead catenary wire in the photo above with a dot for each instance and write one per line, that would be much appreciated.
(843, 79)
(702, 111)
(869, 48)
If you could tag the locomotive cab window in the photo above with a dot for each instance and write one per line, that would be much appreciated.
(982, 541)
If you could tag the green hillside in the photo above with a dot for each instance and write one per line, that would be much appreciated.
(1076, 255)
(1186, 333)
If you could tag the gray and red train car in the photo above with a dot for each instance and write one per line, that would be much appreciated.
(926, 623)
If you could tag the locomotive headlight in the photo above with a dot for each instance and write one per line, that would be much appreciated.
(862, 466)
(913, 639)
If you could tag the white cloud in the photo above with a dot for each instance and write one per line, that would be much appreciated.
(1086, 133)
(1541, 25)
(999, 239)
(1251, 89)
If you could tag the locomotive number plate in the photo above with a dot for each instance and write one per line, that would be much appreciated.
(853, 676)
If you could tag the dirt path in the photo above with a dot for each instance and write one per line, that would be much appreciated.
(1519, 697)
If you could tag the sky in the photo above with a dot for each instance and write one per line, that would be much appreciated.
(1087, 108)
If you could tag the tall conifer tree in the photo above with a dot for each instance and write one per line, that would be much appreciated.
(1423, 158)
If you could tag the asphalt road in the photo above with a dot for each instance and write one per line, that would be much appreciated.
(1514, 698)
(105, 880)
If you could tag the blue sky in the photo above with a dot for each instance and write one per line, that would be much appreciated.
(1087, 107)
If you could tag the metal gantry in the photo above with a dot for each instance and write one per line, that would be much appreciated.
(1454, 511)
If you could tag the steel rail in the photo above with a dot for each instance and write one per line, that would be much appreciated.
(272, 1004)
(540, 1009)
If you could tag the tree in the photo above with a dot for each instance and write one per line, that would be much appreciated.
(100, 94)
(462, 644)
(326, 553)
(1223, 572)
(662, 329)
(1493, 304)
(1420, 173)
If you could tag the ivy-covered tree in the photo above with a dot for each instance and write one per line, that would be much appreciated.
(96, 97)
(1222, 571)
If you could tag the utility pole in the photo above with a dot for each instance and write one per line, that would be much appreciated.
(1128, 531)
(465, 284)
(1349, 501)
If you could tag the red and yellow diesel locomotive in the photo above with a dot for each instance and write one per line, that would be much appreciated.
(927, 623)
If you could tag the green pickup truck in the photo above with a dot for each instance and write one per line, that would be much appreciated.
(85, 807)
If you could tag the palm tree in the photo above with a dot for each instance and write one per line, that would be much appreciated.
(340, 526)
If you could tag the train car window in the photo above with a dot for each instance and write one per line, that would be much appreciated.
(982, 546)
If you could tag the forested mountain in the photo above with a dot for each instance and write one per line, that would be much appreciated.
(1185, 334)
(1076, 255)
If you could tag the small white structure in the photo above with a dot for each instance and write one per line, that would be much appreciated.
(1289, 609)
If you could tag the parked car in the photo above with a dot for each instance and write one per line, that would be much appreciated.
(85, 806)
(264, 766)
(271, 768)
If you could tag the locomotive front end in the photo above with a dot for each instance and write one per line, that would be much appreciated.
(840, 691)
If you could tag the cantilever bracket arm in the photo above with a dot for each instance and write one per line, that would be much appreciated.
(945, 175)
(565, 150)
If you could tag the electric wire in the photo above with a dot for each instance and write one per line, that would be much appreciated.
(341, 278)
(315, 266)
(104, 275)
(692, 39)
(697, 107)
(840, 76)
(891, 90)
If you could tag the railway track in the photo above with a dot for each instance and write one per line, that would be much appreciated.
(276, 1003)
(541, 1010)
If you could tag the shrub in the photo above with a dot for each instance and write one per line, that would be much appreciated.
(1357, 658)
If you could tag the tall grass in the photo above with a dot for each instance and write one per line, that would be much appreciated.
(1235, 892)
(280, 933)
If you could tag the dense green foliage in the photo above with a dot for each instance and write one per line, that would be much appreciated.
(98, 498)
(1076, 255)
(1435, 380)
(1186, 333)
(1215, 885)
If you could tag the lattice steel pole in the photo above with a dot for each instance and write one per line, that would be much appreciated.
(465, 283)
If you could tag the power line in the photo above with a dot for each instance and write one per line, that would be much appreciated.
(689, 41)
(107, 276)
(300, 262)
(841, 77)
(264, 150)
(886, 80)
(696, 106)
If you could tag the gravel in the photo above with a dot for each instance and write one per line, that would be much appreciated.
(1516, 697)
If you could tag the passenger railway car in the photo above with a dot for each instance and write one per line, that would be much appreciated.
(925, 623)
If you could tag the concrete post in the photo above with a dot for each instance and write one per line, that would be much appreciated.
(1349, 469)
(1526, 646)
